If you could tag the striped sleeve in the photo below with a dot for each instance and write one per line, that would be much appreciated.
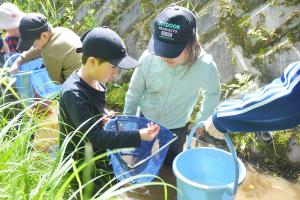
(274, 107)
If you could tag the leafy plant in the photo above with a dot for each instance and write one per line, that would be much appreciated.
(29, 173)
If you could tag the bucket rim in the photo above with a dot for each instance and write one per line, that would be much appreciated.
(202, 186)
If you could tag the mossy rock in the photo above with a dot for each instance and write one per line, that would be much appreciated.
(115, 98)
(269, 156)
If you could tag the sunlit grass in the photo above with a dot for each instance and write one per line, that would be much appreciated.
(29, 173)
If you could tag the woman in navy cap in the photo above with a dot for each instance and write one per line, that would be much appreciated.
(174, 73)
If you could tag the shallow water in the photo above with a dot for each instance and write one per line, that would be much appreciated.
(255, 186)
(262, 187)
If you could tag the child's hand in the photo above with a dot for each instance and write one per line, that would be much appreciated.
(108, 116)
(211, 129)
(105, 119)
(111, 113)
(150, 133)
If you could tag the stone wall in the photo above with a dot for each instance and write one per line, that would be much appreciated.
(255, 36)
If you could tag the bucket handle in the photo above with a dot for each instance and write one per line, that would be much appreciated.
(229, 143)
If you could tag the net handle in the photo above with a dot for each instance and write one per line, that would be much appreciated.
(149, 157)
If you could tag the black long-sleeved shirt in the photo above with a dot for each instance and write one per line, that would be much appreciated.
(1, 42)
(80, 103)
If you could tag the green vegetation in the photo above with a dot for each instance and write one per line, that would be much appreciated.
(27, 173)
(30, 173)
(271, 157)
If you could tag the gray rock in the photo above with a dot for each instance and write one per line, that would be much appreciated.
(208, 17)
(223, 58)
(105, 10)
(278, 61)
(275, 15)
(293, 152)
(77, 3)
(133, 48)
(156, 2)
(129, 17)
(82, 11)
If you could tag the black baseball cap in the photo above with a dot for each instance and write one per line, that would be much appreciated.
(30, 28)
(173, 28)
(102, 42)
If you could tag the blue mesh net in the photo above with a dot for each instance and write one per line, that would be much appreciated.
(33, 75)
(147, 159)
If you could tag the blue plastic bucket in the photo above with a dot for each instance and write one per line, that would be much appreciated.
(23, 84)
(206, 173)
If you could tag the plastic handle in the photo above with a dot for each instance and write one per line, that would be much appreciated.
(235, 162)
(14, 56)
(190, 136)
(229, 143)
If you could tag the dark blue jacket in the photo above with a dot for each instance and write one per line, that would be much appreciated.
(274, 107)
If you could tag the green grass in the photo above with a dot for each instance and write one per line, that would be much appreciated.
(28, 173)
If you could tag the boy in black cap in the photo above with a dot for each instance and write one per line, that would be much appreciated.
(55, 45)
(83, 96)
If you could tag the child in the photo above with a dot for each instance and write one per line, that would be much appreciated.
(1, 43)
(83, 95)
(273, 107)
(10, 17)
(3, 51)
(55, 45)
(172, 73)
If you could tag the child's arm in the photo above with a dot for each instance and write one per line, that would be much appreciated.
(273, 107)
(211, 94)
(5, 48)
(26, 56)
(80, 113)
(1, 43)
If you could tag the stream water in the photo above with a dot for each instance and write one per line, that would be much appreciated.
(256, 186)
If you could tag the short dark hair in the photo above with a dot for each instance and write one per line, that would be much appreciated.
(49, 29)
(85, 58)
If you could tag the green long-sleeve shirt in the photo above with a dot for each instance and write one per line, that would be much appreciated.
(168, 95)
(59, 54)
